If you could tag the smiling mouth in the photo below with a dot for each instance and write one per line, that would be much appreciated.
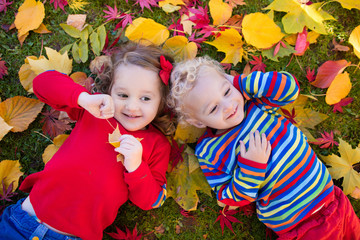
(233, 113)
(130, 116)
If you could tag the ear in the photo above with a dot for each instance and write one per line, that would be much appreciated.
(195, 123)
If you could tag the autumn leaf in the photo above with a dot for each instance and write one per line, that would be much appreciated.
(343, 166)
(76, 20)
(230, 42)
(185, 180)
(26, 75)
(339, 89)
(289, 116)
(4, 128)
(305, 117)
(176, 154)
(258, 64)
(53, 148)
(339, 47)
(301, 44)
(188, 133)
(349, 4)
(55, 61)
(53, 126)
(126, 236)
(180, 48)
(18, 112)
(326, 140)
(186, 23)
(170, 6)
(30, 15)
(113, 137)
(77, 5)
(284, 49)
(219, 11)
(59, 3)
(310, 74)
(226, 217)
(3, 69)
(344, 102)
(328, 71)
(300, 15)
(3, 5)
(10, 173)
(260, 30)
(147, 31)
(354, 40)
(234, 3)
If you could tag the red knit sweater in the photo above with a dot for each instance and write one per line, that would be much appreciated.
(82, 187)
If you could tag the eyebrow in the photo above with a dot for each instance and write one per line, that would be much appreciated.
(207, 105)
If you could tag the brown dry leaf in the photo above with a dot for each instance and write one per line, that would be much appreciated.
(10, 172)
(29, 17)
(4, 128)
(187, 25)
(160, 229)
(339, 47)
(20, 111)
(53, 148)
(76, 20)
(79, 78)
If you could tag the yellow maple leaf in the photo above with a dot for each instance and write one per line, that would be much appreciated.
(55, 61)
(219, 11)
(231, 43)
(114, 137)
(29, 17)
(9, 172)
(26, 75)
(305, 117)
(180, 48)
(77, 5)
(4, 128)
(354, 40)
(300, 15)
(338, 89)
(18, 112)
(260, 30)
(146, 31)
(343, 166)
(188, 133)
(349, 4)
(53, 148)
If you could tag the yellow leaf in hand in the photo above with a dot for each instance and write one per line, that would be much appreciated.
(260, 30)
(219, 11)
(180, 48)
(354, 39)
(9, 172)
(55, 61)
(30, 16)
(147, 31)
(229, 42)
(114, 137)
(343, 166)
(339, 89)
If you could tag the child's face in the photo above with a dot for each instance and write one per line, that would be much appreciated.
(214, 102)
(136, 96)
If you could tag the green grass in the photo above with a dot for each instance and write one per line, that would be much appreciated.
(29, 145)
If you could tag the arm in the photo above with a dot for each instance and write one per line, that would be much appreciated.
(147, 183)
(243, 185)
(271, 89)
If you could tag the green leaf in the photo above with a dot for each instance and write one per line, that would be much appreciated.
(75, 52)
(70, 30)
(283, 52)
(83, 51)
(102, 34)
(66, 48)
(84, 35)
(95, 43)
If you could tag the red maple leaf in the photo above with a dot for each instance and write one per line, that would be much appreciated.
(201, 17)
(175, 154)
(277, 47)
(248, 210)
(59, 3)
(258, 64)
(310, 74)
(52, 125)
(326, 140)
(7, 193)
(112, 13)
(3, 5)
(289, 116)
(126, 236)
(3, 69)
(342, 103)
(146, 3)
(178, 28)
(225, 217)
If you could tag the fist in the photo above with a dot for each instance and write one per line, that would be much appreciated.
(131, 149)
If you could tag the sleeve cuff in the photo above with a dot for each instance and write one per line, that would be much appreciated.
(138, 175)
(251, 163)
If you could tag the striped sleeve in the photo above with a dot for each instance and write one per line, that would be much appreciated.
(161, 198)
(270, 90)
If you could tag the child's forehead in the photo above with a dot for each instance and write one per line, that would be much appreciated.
(207, 73)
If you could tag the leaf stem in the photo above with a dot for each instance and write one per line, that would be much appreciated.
(109, 123)
(44, 136)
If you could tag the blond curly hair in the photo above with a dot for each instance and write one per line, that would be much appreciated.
(183, 78)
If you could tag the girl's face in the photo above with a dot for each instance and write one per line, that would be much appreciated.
(136, 95)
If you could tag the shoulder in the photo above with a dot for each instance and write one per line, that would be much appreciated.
(157, 136)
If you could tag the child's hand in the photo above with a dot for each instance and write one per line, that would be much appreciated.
(99, 105)
(259, 148)
(131, 149)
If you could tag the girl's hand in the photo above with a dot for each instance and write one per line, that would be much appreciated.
(99, 105)
(131, 149)
(259, 148)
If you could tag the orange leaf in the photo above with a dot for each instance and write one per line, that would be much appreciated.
(30, 16)
(19, 112)
(10, 170)
(220, 11)
(79, 78)
(328, 71)
(338, 89)
(42, 29)
(26, 75)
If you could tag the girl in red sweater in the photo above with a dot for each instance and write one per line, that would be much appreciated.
(81, 188)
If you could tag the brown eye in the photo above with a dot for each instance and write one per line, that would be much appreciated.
(227, 92)
(213, 110)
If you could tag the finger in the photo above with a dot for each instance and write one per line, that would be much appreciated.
(263, 141)
(251, 139)
(242, 148)
(268, 149)
(257, 138)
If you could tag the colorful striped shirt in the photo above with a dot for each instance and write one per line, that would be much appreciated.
(293, 184)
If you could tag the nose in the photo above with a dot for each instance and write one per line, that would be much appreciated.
(227, 107)
(132, 104)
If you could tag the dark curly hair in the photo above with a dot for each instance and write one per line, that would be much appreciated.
(140, 55)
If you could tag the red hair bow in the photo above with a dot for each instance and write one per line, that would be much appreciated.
(165, 71)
